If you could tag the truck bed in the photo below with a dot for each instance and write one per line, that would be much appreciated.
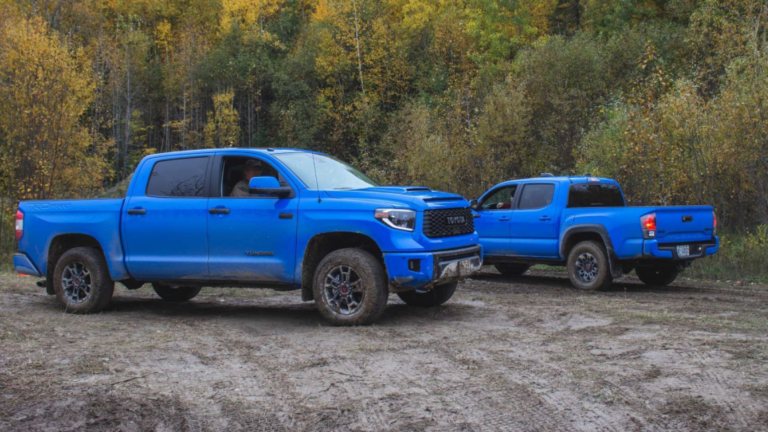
(46, 220)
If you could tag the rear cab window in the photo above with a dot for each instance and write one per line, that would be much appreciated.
(176, 178)
(536, 196)
(595, 195)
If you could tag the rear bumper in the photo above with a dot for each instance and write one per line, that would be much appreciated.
(652, 249)
(424, 270)
(24, 265)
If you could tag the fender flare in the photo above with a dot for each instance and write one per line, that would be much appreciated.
(613, 259)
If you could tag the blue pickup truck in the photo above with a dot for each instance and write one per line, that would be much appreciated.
(583, 223)
(307, 221)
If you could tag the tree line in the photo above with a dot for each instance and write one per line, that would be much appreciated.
(670, 97)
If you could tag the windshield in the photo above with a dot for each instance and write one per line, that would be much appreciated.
(332, 174)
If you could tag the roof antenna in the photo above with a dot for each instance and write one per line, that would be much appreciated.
(317, 182)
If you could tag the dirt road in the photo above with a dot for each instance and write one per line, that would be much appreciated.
(526, 353)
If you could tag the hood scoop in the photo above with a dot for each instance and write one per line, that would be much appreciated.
(399, 189)
(456, 198)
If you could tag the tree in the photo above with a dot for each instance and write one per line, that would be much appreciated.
(46, 87)
(222, 128)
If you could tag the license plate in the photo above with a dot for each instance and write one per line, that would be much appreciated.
(683, 251)
(458, 269)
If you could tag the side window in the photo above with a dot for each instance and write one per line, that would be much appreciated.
(237, 169)
(594, 195)
(499, 199)
(178, 178)
(536, 196)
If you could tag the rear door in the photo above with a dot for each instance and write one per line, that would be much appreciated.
(534, 222)
(493, 214)
(164, 220)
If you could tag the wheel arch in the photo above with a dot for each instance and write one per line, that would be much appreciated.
(320, 245)
(579, 233)
(59, 245)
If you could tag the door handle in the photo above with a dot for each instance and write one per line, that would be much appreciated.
(545, 218)
(218, 210)
(503, 219)
(137, 211)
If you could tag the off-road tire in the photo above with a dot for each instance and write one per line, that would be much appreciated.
(101, 285)
(657, 276)
(373, 285)
(511, 269)
(434, 297)
(602, 278)
(175, 293)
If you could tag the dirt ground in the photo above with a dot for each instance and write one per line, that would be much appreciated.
(526, 353)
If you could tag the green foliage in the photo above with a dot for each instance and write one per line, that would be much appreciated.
(742, 256)
(668, 96)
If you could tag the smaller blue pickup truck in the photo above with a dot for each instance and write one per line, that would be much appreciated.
(275, 218)
(583, 223)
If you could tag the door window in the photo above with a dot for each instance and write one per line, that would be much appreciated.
(236, 169)
(499, 199)
(178, 178)
(536, 196)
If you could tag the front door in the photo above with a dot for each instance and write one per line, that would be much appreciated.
(164, 226)
(534, 223)
(251, 239)
(493, 215)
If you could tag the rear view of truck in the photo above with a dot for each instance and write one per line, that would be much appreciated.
(583, 223)
(656, 242)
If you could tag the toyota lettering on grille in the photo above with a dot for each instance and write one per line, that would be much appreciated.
(455, 220)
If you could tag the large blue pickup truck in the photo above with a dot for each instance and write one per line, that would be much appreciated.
(305, 221)
(583, 223)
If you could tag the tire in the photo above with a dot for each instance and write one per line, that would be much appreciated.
(175, 293)
(81, 281)
(434, 297)
(657, 276)
(350, 287)
(511, 269)
(588, 266)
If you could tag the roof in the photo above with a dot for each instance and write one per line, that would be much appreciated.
(265, 150)
(561, 179)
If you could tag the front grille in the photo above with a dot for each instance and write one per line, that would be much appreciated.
(437, 223)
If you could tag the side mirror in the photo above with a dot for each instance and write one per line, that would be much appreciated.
(267, 185)
(473, 204)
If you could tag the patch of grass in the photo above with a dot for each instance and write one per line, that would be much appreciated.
(740, 257)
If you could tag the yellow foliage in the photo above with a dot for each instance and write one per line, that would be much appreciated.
(46, 88)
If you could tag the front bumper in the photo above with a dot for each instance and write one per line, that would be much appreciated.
(24, 265)
(652, 249)
(424, 270)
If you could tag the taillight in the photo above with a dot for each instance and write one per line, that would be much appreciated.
(648, 224)
(19, 225)
(714, 223)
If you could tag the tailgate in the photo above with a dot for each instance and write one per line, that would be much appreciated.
(684, 224)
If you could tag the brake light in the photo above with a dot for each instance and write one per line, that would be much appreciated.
(19, 224)
(648, 224)
(714, 223)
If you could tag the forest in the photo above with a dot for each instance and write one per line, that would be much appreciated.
(670, 97)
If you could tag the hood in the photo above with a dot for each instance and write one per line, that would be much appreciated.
(414, 197)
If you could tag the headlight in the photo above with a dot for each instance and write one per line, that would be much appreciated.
(398, 219)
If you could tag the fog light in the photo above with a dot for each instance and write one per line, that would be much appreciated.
(414, 265)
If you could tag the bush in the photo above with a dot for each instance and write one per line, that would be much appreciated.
(741, 257)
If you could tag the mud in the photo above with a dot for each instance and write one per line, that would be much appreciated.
(525, 353)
